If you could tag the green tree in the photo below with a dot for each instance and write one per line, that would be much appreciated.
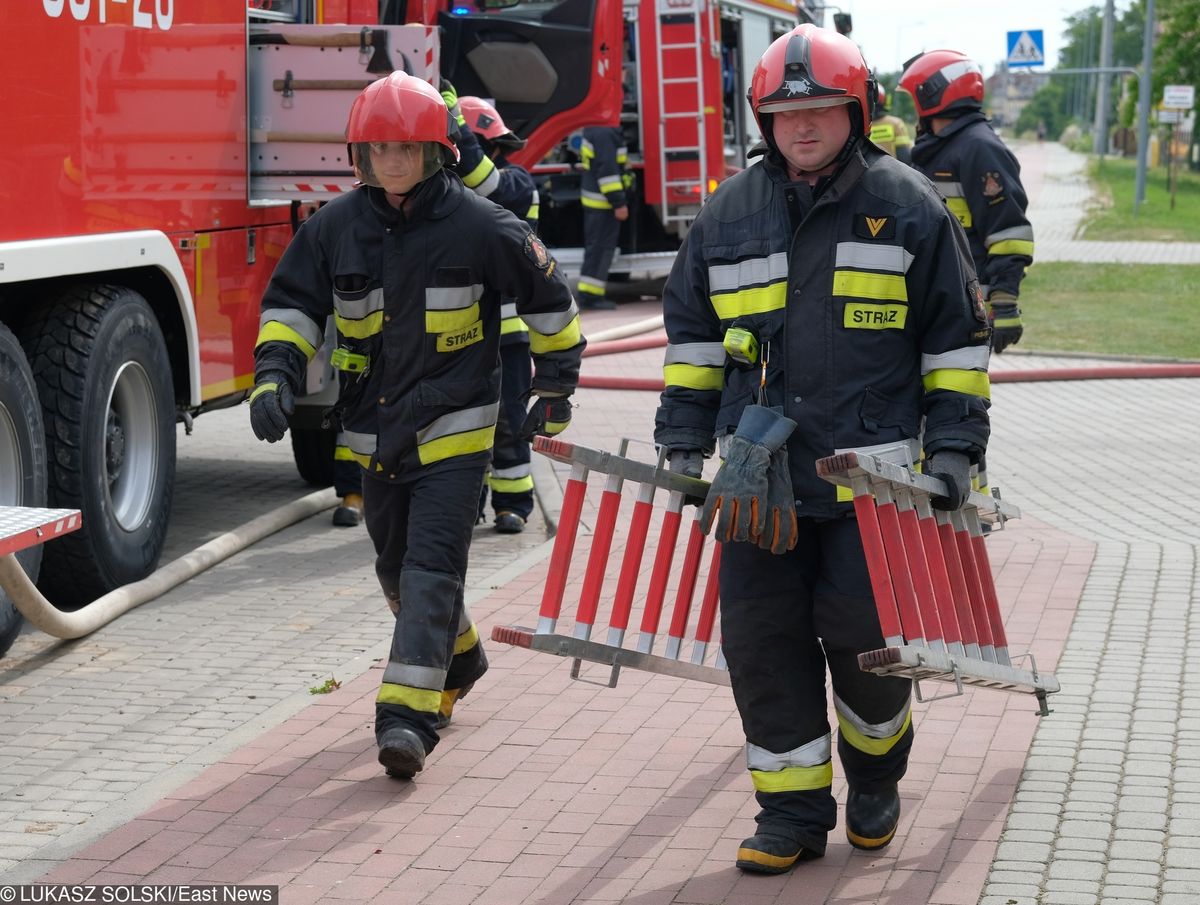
(1177, 52)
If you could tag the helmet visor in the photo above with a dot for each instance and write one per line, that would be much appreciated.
(396, 166)
(806, 104)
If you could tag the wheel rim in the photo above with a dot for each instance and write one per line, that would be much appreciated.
(131, 446)
(11, 466)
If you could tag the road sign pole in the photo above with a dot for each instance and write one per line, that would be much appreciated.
(1139, 192)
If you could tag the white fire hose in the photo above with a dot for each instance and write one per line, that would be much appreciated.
(42, 614)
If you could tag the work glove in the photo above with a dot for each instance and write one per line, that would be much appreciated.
(1005, 318)
(736, 506)
(781, 528)
(450, 96)
(549, 415)
(954, 469)
(687, 462)
(270, 404)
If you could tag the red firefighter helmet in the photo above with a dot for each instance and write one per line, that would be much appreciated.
(484, 120)
(882, 102)
(400, 107)
(943, 80)
(810, 67)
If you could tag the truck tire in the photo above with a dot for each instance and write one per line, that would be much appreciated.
(312, 448)
(108, 402)
(22, 461)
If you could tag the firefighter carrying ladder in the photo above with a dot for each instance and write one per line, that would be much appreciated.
(929, 571)
(679, 39)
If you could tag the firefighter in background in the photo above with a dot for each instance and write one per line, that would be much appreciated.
(889, 132)
(781, 352)
(412, 265)
(977, 175)
(483, 140)
(605, 208)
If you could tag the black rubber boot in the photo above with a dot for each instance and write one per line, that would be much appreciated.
(509, 523)
(766, 853)
(872, 817)
(401, 752)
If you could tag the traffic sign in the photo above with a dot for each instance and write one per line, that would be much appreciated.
(1182, 97)
(1026, 48)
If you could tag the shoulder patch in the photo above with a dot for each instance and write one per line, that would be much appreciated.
(869, 227)
(992, 186)
(975, 296)
(535, 250)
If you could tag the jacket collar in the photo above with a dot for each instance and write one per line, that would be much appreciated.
(928, 144)
(433, 199)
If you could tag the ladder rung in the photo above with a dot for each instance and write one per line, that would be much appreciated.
(687, 183)
(678, 47)
(695, 114)
(673, 149)
(682, 80)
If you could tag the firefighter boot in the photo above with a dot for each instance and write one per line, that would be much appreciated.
(349, 513)
(401, 752)
(872, 817)
(509, 523)
(450, 697)
(768, 853)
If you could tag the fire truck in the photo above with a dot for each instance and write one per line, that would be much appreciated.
(160, 157)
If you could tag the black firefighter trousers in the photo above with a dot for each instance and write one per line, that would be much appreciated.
(422, 529)
(784, 619)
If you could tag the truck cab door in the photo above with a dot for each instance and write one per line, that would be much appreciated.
(550, 67)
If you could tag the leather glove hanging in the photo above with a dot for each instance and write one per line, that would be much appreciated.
(736, 506)
(954, 469)
(687, 462)
(548, 416)
(1005, 317)
(270, 404)
(781, 528)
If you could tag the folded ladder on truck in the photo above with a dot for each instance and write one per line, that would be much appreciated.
(931, 577)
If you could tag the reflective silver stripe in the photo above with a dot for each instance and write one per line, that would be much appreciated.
(949, 189)
(357, 309)
(490, 183)
(587, 147)
(552, 322)
(968, 358)
(460, 422)
(611, 184)
(508, 309)
(961, 68)
(751, 272)
(705, 355)
(415, 676)
(536, 199)
(295, 320)
(594, 196)
(862, 256)
(810, 754)
(464, 621)
(871, 730)
(360, 444)
(1015, 232)
(517, 471)
(452, 298)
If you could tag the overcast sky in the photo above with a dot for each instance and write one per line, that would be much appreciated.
(891, 31)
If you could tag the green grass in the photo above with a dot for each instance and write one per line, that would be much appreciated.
(1143, 310)
(1115, 178)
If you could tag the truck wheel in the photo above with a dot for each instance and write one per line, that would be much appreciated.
(22, 460)
(312, 448)
(108, 402)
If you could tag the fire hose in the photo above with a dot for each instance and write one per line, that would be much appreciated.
(43, 615)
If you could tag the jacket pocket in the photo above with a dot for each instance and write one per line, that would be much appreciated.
(451, 393)
(881, 414)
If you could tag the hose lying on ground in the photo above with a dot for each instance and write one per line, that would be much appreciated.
(42, 614)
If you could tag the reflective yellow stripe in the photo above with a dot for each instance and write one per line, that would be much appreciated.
(466, 640)
(463, 444)
(793, 779)
(1012, 247)
(883, 286)
(343, 454)
(532, 213)
(972, 383)
(460, 339)
(693, 377)
(750, 301)
(513, 325)
(595, 203)
(480, 173)
(958, 207)
(420, 699)
(1008, 322)
(873, 746)
(263, 388)
(590, 287)
(882, 132)
(273, 331)
(510, 485)
(844, 494)
(453, 319)
(555, 427)
(565, 338)
(359, 329)
(611, 184)
(864, 316)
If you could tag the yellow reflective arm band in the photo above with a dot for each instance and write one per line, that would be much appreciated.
(793, 779)
(596, 203)
(730, 305)
(882, 286)
(876, 747)
(611, 184)
(480, 173)
(273, 331)
(693, 377)
(972, 383)
(343, 454)
(454, 319)
(466, 640)
(511, 485)
(566, 338)
(1012, 247)
(513, 325)
(463, 444)
(359, 329)
(420, 699)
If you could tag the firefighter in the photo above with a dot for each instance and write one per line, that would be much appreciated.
(890, 132)
(977, 175)
(822, 300)
(412, 265)
(347, 484)
(605, 208)
(483, 141)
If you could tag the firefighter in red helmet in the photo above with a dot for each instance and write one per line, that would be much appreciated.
(412, 265)
(854, 280)
(977, 175)
(889, 131)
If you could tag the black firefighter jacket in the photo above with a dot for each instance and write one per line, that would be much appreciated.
(418, 295)
(981, 181)
(864, 303)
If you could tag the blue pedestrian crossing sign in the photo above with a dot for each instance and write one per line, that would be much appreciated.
(1026, 48)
